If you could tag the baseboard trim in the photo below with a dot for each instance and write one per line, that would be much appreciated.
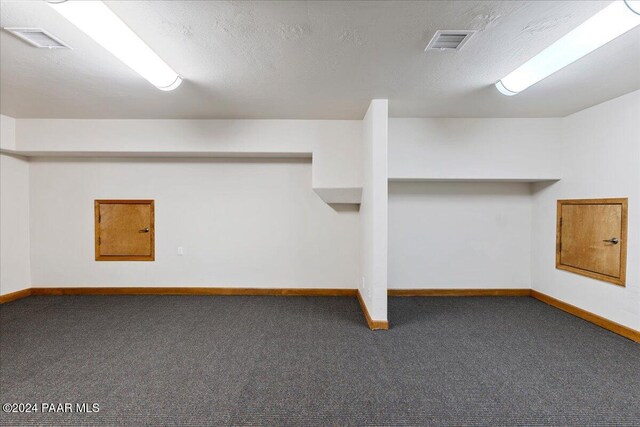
(617, 328)
(374, 325)
(15, 295)
(320, 292)
(459, 292)
(614, 327)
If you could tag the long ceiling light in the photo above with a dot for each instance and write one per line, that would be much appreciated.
(98, 21)
(611, 22)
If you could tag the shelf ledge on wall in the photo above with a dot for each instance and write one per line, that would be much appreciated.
(474, 179)
(162, 154)
(340, 195)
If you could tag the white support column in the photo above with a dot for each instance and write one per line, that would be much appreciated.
(373, 210)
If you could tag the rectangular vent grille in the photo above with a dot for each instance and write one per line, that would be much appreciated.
(449, 39)
(38, 37)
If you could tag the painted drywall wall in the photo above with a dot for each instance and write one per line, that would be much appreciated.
(373, 209)
(490, 149)
(469, 234)
(244, 223)
(7, 132)
(601, 152)
(15, 269)
(459, 235)
(334, 144)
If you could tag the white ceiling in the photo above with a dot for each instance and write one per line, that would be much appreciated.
(320, 59)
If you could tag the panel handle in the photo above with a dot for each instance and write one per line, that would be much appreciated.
(613, 240)
(146, 230)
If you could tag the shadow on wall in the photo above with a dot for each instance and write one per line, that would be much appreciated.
(345, 207)
(541, 186)
(455, 189)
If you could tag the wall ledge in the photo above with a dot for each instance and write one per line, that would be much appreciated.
(474, 179)
(163, 154)
(340, 195)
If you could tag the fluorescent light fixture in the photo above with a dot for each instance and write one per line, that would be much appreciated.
(611, 22)
(96, 20)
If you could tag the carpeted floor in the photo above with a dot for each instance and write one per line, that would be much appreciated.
(195, 361)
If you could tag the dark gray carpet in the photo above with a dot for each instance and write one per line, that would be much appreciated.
(191, 361)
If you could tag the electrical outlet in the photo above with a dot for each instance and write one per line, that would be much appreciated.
(180, 251)
(363, 284)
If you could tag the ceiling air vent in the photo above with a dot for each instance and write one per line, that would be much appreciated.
(38, 37)
(449, 39)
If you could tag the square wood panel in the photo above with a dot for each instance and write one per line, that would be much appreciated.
(591, 238)
(124, 230)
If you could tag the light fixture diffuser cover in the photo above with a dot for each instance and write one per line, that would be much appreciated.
(100, 23)
(611, 22)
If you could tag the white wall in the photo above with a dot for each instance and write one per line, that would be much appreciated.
(270, 229)
(601, 151)
(246, 223)
(15, 269)
(7, 132)
(468, 234)
(335, 144)
(373, 210)
(490, 149)
(459, 235)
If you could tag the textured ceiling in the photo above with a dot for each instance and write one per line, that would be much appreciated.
(319, 59)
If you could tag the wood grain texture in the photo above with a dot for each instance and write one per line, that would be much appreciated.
(324, 292)
(15, 295)
(583, 231)
(617, 328)
(514, 292)
(582, 225)
(374, 325)
(124, 230)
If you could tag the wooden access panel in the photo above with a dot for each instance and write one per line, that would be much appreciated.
(124, 230)
(591, 238)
